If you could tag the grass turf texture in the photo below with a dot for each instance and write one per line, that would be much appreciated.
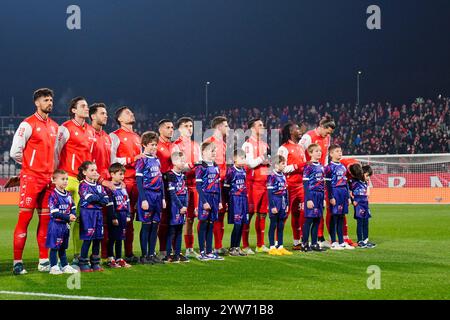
(412, 253)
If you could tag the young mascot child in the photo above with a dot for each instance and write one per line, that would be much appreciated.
(338, 194)
(207, 177)
(118, 216)
(151, 197)
(313, 183)
(360, 198)
(62, 213)
(178, 202)
(236, 197)
(278, 205)
(93, 197)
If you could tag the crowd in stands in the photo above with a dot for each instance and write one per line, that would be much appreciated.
(375, 128)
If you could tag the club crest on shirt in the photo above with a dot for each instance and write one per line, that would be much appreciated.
(99, 189)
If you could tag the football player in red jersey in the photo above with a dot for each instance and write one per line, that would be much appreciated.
(296, 161)
(75, 143)
(191, 150)
(101, 156)
(126, 149)
(164, 154)
(258, 169)
(220, 126)
(33, 147)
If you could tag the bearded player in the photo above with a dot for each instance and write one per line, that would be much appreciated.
(258, 169)
(33, 147)
(75, 144)
(191, 150)
(220, 126)
(126, 150)
(101, 155)
(296, 161)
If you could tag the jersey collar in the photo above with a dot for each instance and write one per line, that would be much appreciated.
(178, 174)
(79, 124)
(37, 115)
(90, 183)
(60, 193)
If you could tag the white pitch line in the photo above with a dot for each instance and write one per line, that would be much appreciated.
(49, 295)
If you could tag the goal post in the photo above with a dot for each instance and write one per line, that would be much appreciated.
(409, 179)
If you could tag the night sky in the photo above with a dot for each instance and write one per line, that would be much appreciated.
(159, 53)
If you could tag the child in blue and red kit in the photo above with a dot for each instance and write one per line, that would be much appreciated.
(62, 213)
(237, 199)
(93, 198)
(118, 216)
(314, 186)
(359, 186)
(207, 177)
(151, 200)
(339, 197)
(278, 205)
(178, 202)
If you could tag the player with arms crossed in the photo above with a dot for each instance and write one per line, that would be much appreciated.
(33, 147)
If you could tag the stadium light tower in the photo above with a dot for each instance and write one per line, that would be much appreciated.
(207, 83)
(357, 86)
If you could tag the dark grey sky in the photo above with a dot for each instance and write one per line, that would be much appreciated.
(159, 53)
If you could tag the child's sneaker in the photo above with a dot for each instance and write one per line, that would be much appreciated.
(97, 268)
(155, 259)
(112, 263)
(370, 245)
(122, 263)
(166, 259)
(203, 257)
(132, 259)
(222, 251)
(248, 251)
(145, 260)
(214, 256)
(336, 246)
(284, 251)
(297, 247)
(18, 269)
(175, 259)
(55, 270)
(274, 252)
(316, 247)
(362, 245)
(69, 270)
(262, 249)
(305, 247)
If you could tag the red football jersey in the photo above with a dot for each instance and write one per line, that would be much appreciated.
(102, 153)
(296, 161)
(164, 154)
(34, 146)
(191, 151)
(74, 145)
(221, 152)
(313, 136)
(126, 145)
(255, 152)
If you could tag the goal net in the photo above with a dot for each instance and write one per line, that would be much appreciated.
(420, 179)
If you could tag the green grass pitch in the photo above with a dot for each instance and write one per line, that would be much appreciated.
(412, 254)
